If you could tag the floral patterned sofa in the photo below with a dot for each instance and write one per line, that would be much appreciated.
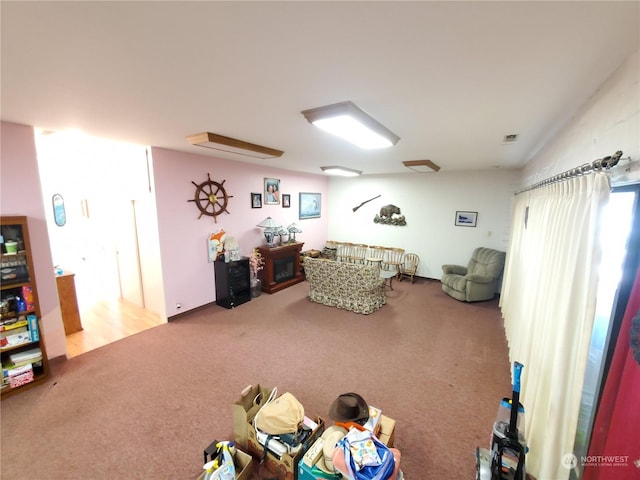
(349, 286)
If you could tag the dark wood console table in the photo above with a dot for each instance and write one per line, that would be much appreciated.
(281, 266)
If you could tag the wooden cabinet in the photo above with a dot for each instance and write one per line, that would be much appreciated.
(68, 302)
(233, 285)
(281, 266)
(24, 359)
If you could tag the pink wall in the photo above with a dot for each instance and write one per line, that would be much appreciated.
(20, 194)
(187, 275)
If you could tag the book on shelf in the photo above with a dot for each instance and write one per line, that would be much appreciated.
(9, 366)
(14, 331)
(15, 339)
(33, 327)
(13, 324)
(27, 356)
(19, 376)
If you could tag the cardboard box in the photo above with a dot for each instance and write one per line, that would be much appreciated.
(373, 424)
(284, 467)
(243, 463)
(387, 430)
(243, 411)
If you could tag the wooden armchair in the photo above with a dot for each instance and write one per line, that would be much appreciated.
(342, 253)
(358, 252)
(393, 259)
(375, 255)
(409, 266)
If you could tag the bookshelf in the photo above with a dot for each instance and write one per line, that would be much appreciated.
(22, 350)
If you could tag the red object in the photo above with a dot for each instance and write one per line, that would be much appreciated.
(614, 451)
(27, 295)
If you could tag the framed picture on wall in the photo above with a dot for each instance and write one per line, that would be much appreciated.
(466, 219)
(256, 200)
(310, 205)
(286, 200)
(271, 191)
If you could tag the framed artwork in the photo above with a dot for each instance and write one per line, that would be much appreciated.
(466, 219)
(286, 200)
(256, 200)
(271, 191)
(310, 205)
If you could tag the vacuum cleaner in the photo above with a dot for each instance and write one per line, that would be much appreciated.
(505, 460)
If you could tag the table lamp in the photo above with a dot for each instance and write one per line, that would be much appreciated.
(271, 228)
(293, 229)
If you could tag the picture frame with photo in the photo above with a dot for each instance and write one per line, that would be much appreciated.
(256, 200)
(466, 218)
(271, 191)
(286, 200)
(310, 205)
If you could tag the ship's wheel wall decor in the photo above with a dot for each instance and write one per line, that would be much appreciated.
(211, 198)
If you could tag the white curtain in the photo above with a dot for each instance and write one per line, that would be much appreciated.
(548, 304)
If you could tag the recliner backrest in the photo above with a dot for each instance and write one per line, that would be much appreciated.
(486, 262)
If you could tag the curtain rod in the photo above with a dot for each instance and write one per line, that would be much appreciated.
(597, 165)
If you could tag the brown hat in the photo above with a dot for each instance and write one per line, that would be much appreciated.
(349, 407)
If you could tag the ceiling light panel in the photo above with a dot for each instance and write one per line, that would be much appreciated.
(421, 166)
(341, 171)
(349, 122)
(232, 145)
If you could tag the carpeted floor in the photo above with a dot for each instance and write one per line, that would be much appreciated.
(146, 406)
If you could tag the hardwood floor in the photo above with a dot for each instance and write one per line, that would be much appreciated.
(107, 321)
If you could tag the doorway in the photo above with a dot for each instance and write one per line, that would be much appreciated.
(103, 185)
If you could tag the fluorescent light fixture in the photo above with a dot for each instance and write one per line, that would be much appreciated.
(347, 121)
(341, 171)
(232, 145)
(421, 166)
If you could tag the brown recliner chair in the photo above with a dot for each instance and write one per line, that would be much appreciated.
(479, 280)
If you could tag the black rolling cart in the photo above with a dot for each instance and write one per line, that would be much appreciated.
(233, 286)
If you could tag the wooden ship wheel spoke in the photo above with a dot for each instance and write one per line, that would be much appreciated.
(211, 198)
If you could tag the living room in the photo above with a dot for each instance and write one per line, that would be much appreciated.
(606, 123)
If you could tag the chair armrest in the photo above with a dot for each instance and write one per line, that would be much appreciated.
(455, 269)
(478, 278)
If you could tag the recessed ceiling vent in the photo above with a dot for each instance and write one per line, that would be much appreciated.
(510, 138)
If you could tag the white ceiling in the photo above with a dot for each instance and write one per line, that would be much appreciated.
(450, 78)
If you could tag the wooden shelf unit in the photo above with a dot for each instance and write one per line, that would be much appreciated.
(18, 277)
